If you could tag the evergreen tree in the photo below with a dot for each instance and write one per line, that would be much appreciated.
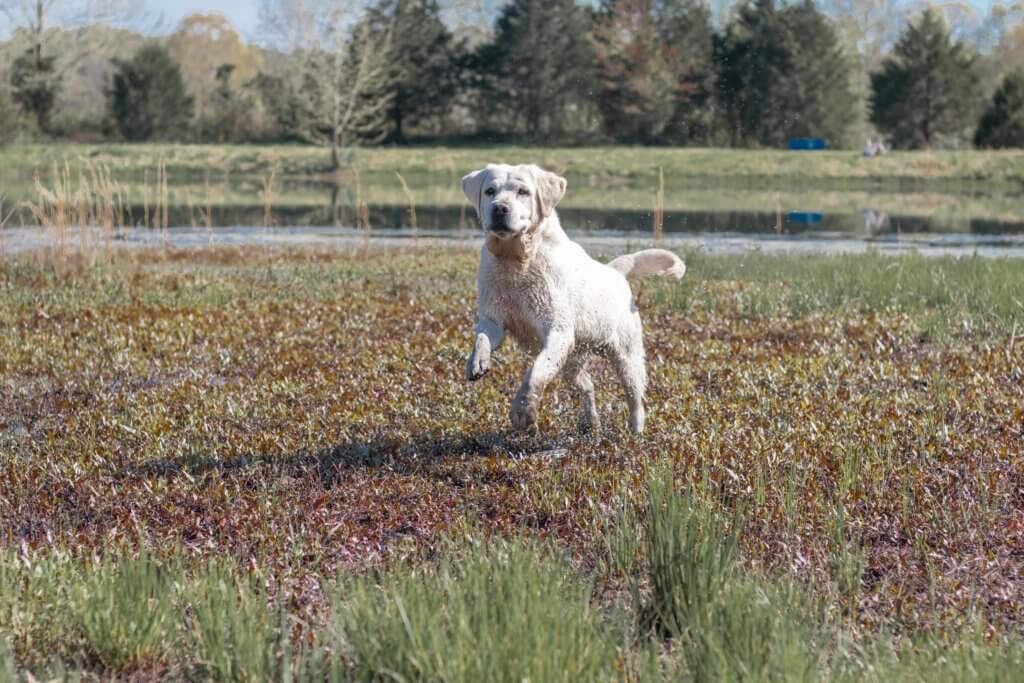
(818, 86)
(8, 114)
(782, 74)
(423, 59)
(639, 77)
(538, 67)
(228, 115)
(147, 99)
(927, 88)
(684, 26)
(1002, 124)
(753, 58)
(35, 84)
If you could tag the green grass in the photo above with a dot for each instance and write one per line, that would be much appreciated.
(763, 165)
(253, 464)
(944, 298)
(495, 610)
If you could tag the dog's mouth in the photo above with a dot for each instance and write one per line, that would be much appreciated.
(501, 230)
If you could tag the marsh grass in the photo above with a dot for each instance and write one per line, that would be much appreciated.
(493, 611)
(968, 297)
(127, 613)
(287, 437)
(238, 633)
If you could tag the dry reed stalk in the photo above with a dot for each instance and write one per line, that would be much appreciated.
(362, 209)
(209, 211)
(778, 214)
(659, 210)
(145, 198)
(3, 226)
(412, 201)
(166, 205)
(268, 198)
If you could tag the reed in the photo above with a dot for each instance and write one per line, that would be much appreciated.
(659, 210)
(411, 198)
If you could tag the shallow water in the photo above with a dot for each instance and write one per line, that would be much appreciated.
(713, 214)
(599, 243)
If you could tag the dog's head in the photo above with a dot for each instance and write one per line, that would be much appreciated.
(511, 200)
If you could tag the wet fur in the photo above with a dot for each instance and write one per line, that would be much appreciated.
(542, 289)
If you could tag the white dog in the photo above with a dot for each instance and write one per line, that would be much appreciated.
(542, 288)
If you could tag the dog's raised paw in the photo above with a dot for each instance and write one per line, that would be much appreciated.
(477, 366)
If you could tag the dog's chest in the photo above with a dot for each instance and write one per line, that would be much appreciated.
(523, 301)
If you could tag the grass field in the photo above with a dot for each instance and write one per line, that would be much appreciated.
(251, 464)
(771, 168)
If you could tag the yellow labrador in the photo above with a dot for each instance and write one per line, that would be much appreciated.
(542, 289)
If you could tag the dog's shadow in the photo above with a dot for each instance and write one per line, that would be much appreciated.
(416, 456)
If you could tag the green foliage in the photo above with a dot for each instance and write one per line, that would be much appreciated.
(1002, 124)
(228, 116)
(8, 113)
(536, 70)
(783, 74)
(690, 554)
(35, 84)
(500, 612)
(424, 59)
(147, 99)
(925, 92)
(127, 613)
(641, 82)
(237, 634)
(946, 298)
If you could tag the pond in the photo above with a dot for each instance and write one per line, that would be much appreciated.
(698, 212)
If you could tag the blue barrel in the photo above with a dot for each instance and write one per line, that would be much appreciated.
(807, 144)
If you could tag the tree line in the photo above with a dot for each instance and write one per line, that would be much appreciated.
(654, 72)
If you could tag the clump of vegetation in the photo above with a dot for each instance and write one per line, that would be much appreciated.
(841, 467)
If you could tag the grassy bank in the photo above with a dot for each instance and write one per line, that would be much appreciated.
(770, 168)
(233, 464)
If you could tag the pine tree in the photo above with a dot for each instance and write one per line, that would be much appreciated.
(753, 58)
(818, 86)
(1002, 124)
(684, 27)
(926, 89)
(537, 69)
(424, 61)
(147, 99)
(654, 70)
(35, 84)
(782, 74)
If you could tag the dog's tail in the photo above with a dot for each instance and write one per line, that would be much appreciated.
(650, 262)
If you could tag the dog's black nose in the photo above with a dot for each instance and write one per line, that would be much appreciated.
(501, 210)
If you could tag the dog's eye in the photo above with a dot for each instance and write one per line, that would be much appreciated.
(523, 192)
(489, 192)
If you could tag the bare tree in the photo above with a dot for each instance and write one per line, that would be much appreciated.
(36, 21)
(337, 69)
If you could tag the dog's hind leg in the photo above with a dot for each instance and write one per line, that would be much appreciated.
(575, 373)
(629, 364)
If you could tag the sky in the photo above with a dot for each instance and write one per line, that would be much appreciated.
(244, 14)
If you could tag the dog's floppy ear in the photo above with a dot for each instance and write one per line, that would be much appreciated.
(473, 185)
(550, 190)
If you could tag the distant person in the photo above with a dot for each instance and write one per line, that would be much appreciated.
(875, 148)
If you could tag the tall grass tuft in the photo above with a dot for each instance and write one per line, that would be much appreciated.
(237, 633)
(690, 558)
(502, 612)
(726, 625)
(126, 611)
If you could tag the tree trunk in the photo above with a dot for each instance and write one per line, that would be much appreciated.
(335, 164)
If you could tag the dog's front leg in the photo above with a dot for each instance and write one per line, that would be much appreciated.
(487, 337)
(545, 368)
